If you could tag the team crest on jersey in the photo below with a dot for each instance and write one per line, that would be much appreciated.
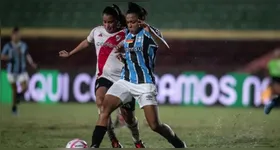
(118, 38)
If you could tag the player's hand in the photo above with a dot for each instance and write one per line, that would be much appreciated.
(64, 54)
(144, 25)
(35, 66)
(120, 57)
(119, 48)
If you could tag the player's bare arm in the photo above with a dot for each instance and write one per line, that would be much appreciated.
(5, 57)
(30, 61)
(160, 41)
(84, 44)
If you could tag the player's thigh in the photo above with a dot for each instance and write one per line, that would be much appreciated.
(110, 104)
(11, 78)
(101, 87)
(120, 90)
(23, 80)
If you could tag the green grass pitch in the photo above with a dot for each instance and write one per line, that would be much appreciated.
(52, 126)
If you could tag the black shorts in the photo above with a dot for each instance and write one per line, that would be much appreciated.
(103, 82)
(275, 80)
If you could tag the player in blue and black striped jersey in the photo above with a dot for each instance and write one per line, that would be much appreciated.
(16, 54)
(137, 79)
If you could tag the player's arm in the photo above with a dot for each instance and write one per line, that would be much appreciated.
(4, 54)
(5, 57)
(156, 36)
(30, 61)
(29, 58)
(158, 39)
(84, 44)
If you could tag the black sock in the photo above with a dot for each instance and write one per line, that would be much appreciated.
(97, 136)
(14, 108)
(176, 142)
(20, 95)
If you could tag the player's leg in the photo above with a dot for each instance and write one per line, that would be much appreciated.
(113, 99)
(12, 80)
(128, 113)
(146, 97)
(102, 86)
(119, 121)
(23, 80)
(275, 100)
(14, 94)
(151, 113)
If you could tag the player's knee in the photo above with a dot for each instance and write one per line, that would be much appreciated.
(130, 120)
(104, 115)
(99, 101)
(155, 126)
(24, 87)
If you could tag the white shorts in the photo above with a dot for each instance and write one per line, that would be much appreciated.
(14, 78)
(144, 94)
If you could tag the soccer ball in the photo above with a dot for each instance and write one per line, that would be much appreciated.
(77, 143)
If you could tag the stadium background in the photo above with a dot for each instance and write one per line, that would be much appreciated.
(219, 51)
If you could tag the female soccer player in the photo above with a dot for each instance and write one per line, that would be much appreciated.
(137, 79)
(16, 53)
(108, 67)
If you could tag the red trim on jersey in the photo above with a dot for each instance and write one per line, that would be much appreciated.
(105, 51)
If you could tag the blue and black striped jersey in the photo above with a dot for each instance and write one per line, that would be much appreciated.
(140, 55)
(17, 54)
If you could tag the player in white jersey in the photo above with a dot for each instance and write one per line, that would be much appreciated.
(108, 67)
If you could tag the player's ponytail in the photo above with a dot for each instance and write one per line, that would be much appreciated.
(140, 11)
(121, 17)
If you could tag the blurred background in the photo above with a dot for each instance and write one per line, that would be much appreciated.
(219, 49)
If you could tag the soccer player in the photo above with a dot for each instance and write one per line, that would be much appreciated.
(108, 68)
(137, 79)
(16, 53)
(274, 72)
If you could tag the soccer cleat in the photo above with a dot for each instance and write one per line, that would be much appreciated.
(116, 144)
(268, 107)
(14, 110)
(139, 144)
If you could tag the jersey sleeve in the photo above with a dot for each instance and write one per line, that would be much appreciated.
(5, 50)
(90, 37)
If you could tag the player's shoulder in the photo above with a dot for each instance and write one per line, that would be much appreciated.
(97, 29)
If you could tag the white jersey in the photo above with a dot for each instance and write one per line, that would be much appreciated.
(108, 66)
